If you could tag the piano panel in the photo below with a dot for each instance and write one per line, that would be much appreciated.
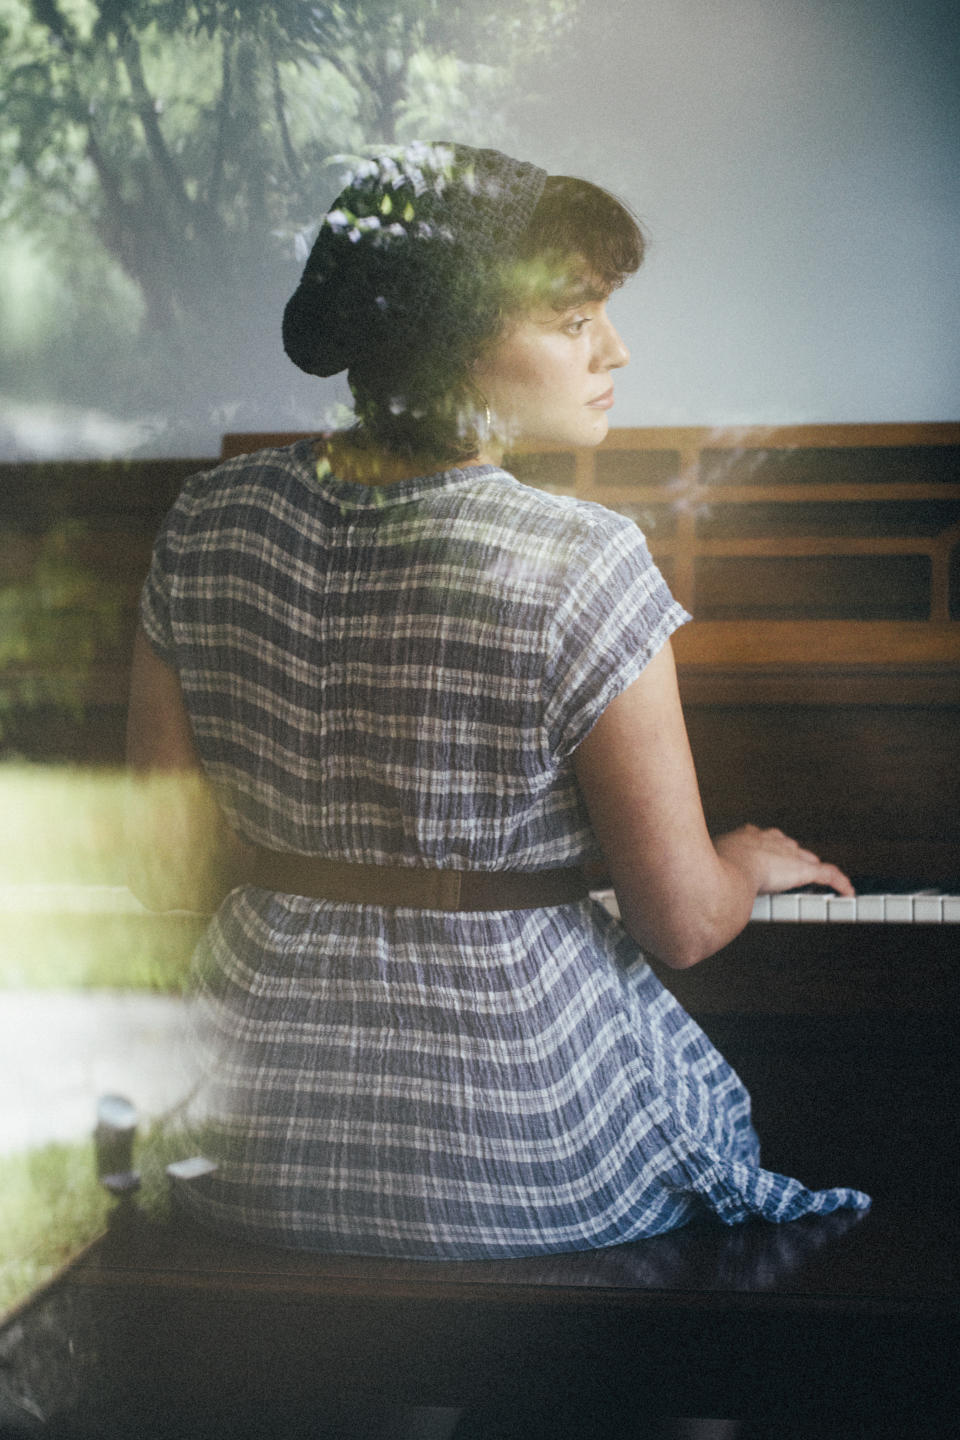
(874, 788)
(818, 969)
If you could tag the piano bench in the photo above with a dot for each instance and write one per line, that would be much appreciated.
(842, 1315)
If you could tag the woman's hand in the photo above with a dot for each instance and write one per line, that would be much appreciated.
(773, 862)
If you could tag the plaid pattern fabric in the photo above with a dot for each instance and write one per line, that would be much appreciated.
(401, 675)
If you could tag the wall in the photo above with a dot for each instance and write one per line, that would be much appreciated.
(795, 163)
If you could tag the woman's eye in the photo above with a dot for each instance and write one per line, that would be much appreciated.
(573, 327)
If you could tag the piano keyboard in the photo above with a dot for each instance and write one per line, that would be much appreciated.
(922, 908)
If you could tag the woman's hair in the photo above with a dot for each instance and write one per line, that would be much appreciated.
(414, 395)
(580, 230)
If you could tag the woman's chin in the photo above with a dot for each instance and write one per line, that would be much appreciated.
(595, 429)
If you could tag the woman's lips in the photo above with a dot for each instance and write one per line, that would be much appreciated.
(602, 402)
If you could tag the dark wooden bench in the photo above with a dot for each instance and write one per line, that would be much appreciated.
(828, 1317)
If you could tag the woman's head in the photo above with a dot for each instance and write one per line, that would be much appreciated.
(425, 262)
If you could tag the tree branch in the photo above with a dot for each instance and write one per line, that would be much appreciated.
(147, 112)
(48, 13)
(289, 154)
(135, 236)
(223, 118)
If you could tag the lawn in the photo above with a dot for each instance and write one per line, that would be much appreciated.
(69, 951)
(66, 920)
(52, 1205)
(64, 824)
(64, 835)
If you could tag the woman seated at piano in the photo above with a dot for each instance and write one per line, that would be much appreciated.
(419, 703)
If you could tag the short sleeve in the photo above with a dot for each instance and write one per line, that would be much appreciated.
(617, 613)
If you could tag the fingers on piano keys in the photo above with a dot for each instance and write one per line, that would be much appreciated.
(923, 908)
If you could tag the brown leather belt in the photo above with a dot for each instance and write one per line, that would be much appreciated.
(318, 878)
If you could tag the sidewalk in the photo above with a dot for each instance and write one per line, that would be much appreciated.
(60, 1051)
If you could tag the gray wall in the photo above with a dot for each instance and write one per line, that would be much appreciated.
(796, 164)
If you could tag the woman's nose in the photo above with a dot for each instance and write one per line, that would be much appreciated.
(611, 353)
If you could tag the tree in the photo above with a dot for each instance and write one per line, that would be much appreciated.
(174, 157)
(192, 139)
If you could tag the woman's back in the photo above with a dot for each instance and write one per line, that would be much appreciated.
(400, 673)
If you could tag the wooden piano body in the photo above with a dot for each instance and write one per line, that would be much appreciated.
(823, 696)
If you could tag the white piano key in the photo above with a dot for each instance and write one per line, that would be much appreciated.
(813, 907)
(898, 909)
(928, 909)
(871, 907)
(761, 908)
(924, 907)
(785, 907)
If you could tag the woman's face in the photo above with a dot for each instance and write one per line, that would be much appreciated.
(548, 376)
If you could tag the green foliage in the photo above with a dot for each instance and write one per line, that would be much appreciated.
(192, 136)
(52, 1205)
(179, 142)
(53, 625)
(167, 162)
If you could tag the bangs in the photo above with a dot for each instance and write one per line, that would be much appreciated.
(585, 237)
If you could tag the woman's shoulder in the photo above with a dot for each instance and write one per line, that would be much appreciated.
(270, 470)
(584, 524)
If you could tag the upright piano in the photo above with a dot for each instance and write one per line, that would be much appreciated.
(820, 681)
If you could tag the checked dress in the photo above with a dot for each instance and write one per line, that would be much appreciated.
(400, 675)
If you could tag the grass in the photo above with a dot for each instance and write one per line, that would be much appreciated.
(67, 826)
(52, 1205)
(64, 824)
(91, 952)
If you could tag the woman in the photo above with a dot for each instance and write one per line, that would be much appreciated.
(423, 696)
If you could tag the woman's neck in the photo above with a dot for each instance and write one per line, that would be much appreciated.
(353, 458)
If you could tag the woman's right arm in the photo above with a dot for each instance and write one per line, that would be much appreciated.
(181, 854)
(682, 895)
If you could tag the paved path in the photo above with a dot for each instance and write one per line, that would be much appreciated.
(60, 1051)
